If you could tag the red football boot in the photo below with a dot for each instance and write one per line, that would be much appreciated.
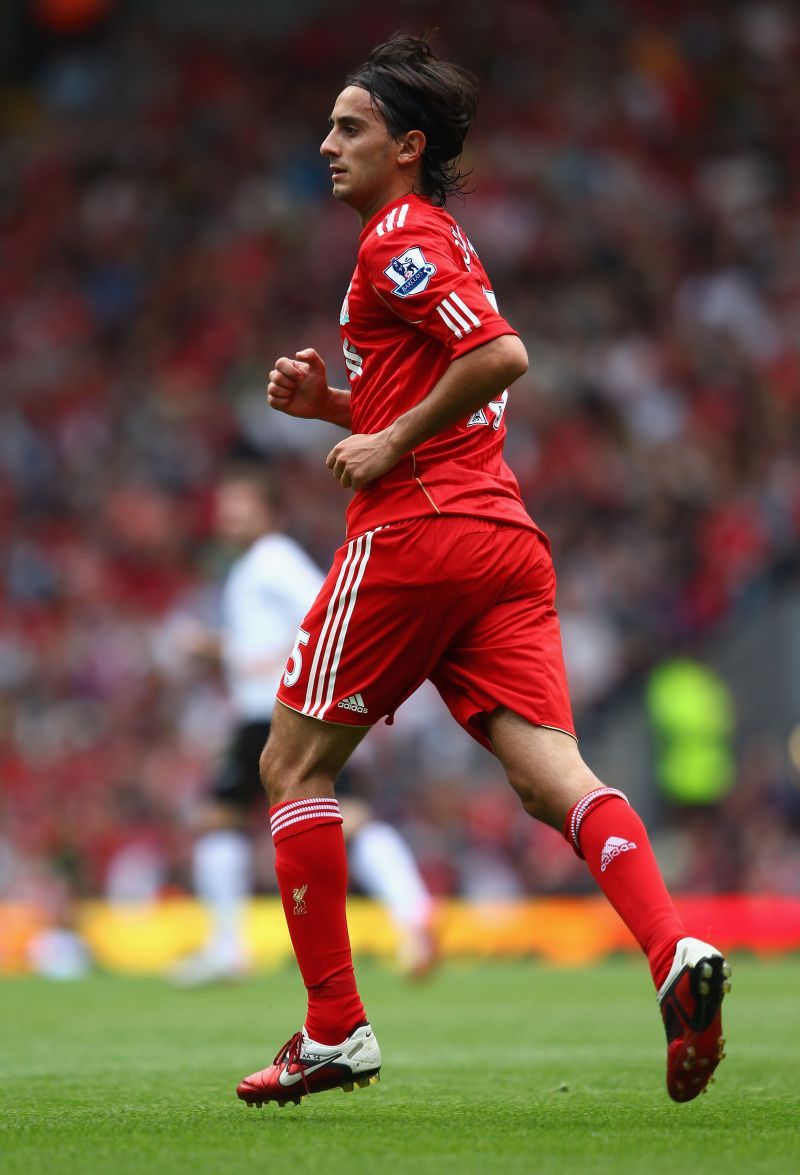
(691, 1001)
(302, 1067)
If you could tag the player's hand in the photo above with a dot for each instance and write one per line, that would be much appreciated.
(192, 641)
(299, 386)
(361, 458)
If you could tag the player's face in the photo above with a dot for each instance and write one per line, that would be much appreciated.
(241, 514)
(362, 155)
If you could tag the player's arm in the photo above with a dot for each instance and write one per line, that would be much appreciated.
(299, 387)
(470, 382)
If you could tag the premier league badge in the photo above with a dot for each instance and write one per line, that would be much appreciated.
(410, 272)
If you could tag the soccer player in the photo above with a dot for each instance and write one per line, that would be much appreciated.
(443, 575)
(265, 596)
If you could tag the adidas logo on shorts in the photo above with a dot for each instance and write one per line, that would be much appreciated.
(356, 703)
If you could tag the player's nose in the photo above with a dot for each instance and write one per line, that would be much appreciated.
(327, 147)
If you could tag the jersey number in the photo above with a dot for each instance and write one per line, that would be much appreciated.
(295, 662)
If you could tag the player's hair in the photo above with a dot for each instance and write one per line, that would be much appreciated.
(414, 90)
(256, 477)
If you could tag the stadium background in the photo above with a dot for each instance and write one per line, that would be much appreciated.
(167, 230)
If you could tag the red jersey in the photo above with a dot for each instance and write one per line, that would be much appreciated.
(419, 298)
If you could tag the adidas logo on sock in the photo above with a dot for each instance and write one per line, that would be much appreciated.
(614, 847)
(354, 702)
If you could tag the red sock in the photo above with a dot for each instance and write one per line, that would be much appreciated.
(604, 829)
(311, 865)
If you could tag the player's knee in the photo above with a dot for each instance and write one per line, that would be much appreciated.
(537, 806)
(285, 775)
(271, 774)
(544, 797)
(549, 795)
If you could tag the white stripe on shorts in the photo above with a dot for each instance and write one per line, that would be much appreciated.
(322, 678)
(312, 677)
(333, 628)
(343, 630)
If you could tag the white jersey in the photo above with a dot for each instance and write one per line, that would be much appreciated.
(267, 593)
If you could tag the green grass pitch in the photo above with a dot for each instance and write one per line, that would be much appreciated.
(506, 1067)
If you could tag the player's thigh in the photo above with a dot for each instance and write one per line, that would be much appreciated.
(510, 654)
(390, 605)
(237, 784)
(543, 765)
(303, 755)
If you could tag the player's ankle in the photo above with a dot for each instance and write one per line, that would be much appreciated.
(660, 957)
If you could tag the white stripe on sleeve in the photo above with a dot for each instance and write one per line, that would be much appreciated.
(465, 308)
(457, 315)
(448, 322)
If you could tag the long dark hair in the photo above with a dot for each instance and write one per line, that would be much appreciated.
(414, 90)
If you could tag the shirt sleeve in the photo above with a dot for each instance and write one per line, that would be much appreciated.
(436, 284)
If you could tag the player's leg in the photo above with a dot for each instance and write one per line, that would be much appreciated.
(336, 1047)
(299, 766)
(378, 626)
(555, 785)
(546, 770)
(363, 647)
(384, 866)
(222, 860)
(504, 681)
(221, 879)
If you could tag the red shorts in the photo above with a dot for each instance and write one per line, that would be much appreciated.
(466, 602)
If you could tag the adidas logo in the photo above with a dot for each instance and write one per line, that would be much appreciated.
(614, 847)
(355, 702)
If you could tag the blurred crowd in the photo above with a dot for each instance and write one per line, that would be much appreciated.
(167, 231)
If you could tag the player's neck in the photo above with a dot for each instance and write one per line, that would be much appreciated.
(399, 191)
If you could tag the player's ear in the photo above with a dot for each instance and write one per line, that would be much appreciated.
(412, 145)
